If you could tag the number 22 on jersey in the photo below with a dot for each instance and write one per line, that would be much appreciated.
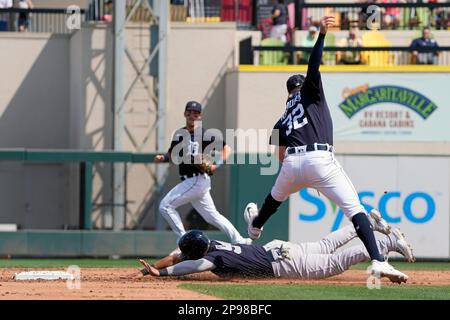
(294, 119)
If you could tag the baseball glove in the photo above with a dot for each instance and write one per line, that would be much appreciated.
(204, 163)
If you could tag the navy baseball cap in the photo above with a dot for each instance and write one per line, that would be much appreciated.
(193, 106)
(294, 81)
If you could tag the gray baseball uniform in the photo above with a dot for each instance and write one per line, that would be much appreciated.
(311, 260)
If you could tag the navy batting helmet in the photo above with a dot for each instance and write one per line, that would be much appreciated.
(194, 244)
(294, 81)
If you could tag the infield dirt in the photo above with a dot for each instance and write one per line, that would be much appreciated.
(108, 283)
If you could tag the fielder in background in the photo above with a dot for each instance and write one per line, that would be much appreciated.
(191, 149)
(304, 140)
(312, 260)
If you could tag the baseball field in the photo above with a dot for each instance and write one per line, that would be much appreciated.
(108, 279)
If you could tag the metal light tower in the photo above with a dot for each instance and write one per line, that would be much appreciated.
(156, 98)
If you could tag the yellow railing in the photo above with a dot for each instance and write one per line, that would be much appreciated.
(348, 68)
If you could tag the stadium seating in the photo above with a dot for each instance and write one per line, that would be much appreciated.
(416, 17)
(375, 38)
(329, 57)
(273, 57)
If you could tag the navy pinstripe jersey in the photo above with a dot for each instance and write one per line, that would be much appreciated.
(307, 118)
(239, 260)
(192, 144)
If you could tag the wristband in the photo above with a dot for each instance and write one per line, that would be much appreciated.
(163, 272)
(144, 272)
(166, 158)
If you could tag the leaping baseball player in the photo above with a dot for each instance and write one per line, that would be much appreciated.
(189, 144)
(312, 260)
(304, 140)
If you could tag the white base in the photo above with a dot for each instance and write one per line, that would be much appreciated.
(43, 275)
(8, 227)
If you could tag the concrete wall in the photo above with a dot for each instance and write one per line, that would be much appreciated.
(57, 95)
(199, 56)
(91, 58)
(34, 104)
(34, 91)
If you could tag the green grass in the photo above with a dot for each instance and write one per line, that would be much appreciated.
(410, 266)
(64, 263)
(320, 292)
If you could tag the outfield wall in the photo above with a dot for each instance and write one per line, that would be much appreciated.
(411, 192)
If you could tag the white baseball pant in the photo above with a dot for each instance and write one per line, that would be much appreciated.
(195, 190)
(317, 260)
(319, 170)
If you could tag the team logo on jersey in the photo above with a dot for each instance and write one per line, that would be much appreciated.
(364, 96)
(193, 148)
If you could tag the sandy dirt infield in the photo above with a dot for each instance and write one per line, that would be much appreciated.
(106, 283)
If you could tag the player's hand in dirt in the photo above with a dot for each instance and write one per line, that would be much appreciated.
(151, 270)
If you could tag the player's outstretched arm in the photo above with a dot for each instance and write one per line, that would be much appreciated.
(168, 261)
(180, 269)
(316, 54)
(160, 264)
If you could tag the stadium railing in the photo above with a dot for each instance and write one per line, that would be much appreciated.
(40, 19)
(369, 56)
(85, 159)
(408, 16)
(255, 14)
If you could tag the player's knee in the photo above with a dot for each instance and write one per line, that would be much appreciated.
(353, 211)
(164, 207)
(276, 197)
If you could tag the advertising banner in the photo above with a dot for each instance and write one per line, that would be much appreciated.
(388, 106)
(411, 193)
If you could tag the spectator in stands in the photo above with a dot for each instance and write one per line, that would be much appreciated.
(351, 41)
(391, 16)
(440, 16)
(279, 18)
(424, 42)
(108, 17)
(4, 17)
(24, 17)
(307, 42)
